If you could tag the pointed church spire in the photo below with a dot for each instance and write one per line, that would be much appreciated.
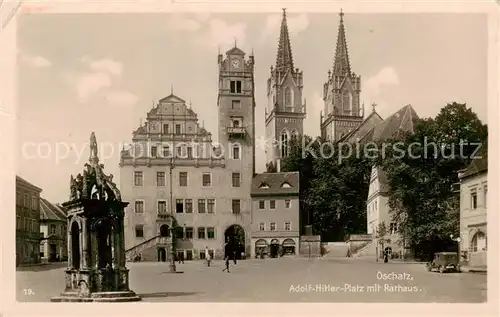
(284, 58)
(341, 64)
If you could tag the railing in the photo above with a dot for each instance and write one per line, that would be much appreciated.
(236, 130)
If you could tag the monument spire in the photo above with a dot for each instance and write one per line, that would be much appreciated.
(341, 66)
(284, 58)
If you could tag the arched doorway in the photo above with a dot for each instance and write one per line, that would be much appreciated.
(289, 246)
(164, 231)
(478, 242)
(274, 248)
(235, 241)
(261, 247)
(75, 245)
(162, 255)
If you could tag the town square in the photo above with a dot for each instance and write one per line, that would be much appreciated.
(238, 165)
(279, 280)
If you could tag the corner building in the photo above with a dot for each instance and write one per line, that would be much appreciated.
(174, 175)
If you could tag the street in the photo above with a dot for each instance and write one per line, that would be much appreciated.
(279, 280)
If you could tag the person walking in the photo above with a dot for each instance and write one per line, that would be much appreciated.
(234, 257)
(207, 256)
(227, 264)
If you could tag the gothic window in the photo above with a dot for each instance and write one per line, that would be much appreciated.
(284, 144)
(288, 97)
(346, 102)
(295, 134)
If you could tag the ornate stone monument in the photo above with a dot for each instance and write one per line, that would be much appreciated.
(96, 248)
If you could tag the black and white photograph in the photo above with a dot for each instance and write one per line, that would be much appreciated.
(251, 157)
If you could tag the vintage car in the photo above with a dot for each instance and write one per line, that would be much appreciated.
(444, 262)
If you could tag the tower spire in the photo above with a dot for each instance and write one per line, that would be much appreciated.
(284, 58)
(341, 64)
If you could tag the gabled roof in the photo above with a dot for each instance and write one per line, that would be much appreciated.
(270, 184)
(364, 128)
(26, 183)
(49, 211)
(478, 164)
(403, 120)
(235, 51)
(172, 98)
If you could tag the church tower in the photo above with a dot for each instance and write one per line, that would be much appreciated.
(236, 103)
(342, 112)
(285, 111)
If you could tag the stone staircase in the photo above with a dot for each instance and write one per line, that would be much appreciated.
(368, 250)
(141, 247)
(336, 249)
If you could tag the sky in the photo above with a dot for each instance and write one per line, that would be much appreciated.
(83, 73)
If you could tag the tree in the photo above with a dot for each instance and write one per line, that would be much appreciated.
(420, 186)
(302, 161)
(337, 195)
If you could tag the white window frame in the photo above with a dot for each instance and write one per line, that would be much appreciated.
(473, 192)
(290, 223)
(264, 207)
(157, 206)
(232, 179)
(271, 226)
(274, 204)
(211, 180)
(206, 205)
(233, 147)
(263, 227)
(164, 179)
(143, 206)
(142, 178)
(289, 203)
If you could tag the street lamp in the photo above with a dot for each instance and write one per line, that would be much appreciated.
(172, 268)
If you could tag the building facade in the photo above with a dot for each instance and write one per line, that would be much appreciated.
(285, 111)
(27, 222)
(175, 172)
(473, 210)
(53, 232)
(342, 112)
(275, 216)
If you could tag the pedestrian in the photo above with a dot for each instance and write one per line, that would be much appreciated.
(227, 264)
(234, 257)
(181, 258)
(207, 256)
(386, 257)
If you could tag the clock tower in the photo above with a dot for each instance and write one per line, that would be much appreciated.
(236, 104)
(285, 111)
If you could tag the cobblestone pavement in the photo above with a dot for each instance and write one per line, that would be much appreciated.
(275, 280)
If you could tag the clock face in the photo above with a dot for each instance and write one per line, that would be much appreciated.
(235, 63)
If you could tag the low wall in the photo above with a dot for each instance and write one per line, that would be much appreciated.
(310, 246)
(478, 258)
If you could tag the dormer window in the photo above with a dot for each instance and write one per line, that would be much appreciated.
(285, 185)
(263, 185)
